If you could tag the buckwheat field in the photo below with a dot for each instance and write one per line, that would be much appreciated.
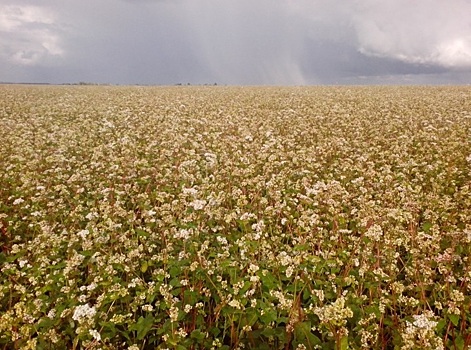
(235, 217)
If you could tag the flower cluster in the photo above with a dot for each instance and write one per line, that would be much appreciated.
(421, 333)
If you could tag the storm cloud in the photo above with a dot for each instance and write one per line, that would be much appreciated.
(236, 42)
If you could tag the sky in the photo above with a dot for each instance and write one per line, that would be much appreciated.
(236, 42)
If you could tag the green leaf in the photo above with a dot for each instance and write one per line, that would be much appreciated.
(268, 332)
(174, 271)
(303, 334)
(459, 342)
(198, 335)
(108, 329)
(214, 331)
(426, 226)
(144, 266)
(373, 309)
(455, 319)
(268, 316)
(440, 325)
(165, 328)
(175, 282)
(191, 297)
(45, 323)
(268, 281)
(356, 313)
(144, 325)
(302, 247)
(250, 318)
(142, 232)
(280, 333)
(344, 343)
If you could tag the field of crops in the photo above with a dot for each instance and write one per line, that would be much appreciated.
(235, 217)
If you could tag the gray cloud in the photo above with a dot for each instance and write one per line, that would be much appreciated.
(236, 42)
(29, 35)
(422, 32)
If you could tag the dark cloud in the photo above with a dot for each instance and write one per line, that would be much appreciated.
(236, 42)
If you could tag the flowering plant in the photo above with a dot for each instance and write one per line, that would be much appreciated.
(231, 218)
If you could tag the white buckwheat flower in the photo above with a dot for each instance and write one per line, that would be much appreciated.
(95, 334)
(375, 233)
(198, 204)
(420, 334)
(18, 201)
(83, 233)
(83, 311)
